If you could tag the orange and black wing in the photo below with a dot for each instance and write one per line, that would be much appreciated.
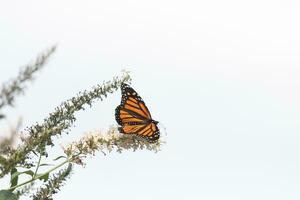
(134, 117)
(132, 109)
(148, 131)
(125, 116)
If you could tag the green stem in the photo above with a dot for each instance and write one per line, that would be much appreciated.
(38, 165)
(41, 175)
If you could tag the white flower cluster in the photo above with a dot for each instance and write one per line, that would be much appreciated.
(93, 142)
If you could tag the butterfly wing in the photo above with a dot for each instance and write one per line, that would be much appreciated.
(148, 131)
(124, 116)
(134, 117)
(132, 109)
(132, 101)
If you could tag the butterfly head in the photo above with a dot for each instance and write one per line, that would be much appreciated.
(155, 122)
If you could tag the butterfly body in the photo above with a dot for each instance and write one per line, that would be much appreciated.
(134, 117)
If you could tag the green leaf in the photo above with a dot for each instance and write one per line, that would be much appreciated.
(59, 157)
(29, 172)
(14, 177)
(44, 177)
(7, 195)
(45, 164)
(16, 174)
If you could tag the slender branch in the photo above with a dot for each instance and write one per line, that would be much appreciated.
(38, 165)
(16, 86)
(40, 175)
(106, 142)
(40, 135)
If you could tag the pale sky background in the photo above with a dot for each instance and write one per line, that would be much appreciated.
(222, 77)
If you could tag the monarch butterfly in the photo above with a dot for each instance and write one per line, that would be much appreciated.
(134, 117)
